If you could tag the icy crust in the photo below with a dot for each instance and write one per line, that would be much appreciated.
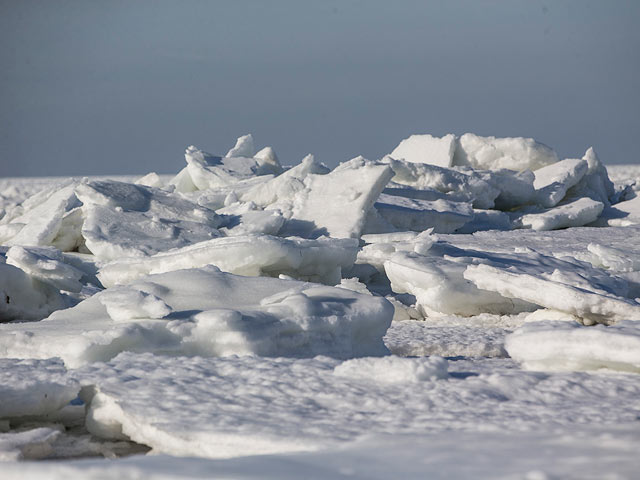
(320, 260)
(426, 149)
(28, 445)
(207, 312)
(239, 406)
(566, 454)
(566, 345)
(34, 387)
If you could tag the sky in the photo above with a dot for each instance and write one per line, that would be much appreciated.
(123, 87)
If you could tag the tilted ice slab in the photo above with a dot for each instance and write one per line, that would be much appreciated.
(47, 265)
(513, 153)
(419, 215)
(566, 291)
(207, 312)
(577, 213)
(205, 171)
(595, 184)
(237, 406)
(426, 149)
(440, 287)
(552, 345)
(320, 260)
(441, 281)
(553, 181)
(336, 204)
(43, 219)
(23, 297)
(124, 219)
(34, 387)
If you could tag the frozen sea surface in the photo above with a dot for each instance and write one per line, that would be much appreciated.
(247, 320)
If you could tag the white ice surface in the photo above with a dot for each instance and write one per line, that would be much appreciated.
(320, 260)
(207, 312)
(238, 406)
(34, 387)
(491, 153)
(553, 345)
(426, 149)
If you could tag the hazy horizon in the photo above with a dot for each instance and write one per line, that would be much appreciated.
(92, 88)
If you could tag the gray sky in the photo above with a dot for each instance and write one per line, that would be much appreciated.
(106, 87)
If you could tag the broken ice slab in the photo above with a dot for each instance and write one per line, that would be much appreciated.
(320, 260)
(124, 219)
(337, 204)
(442, 216)
(34, 387)
(592, 298)
(577, 213)
(207, 312)
(553, 345)
(513, 153)
(553, 181)
(426, 149)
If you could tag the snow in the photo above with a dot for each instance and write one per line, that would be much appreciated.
(466, 307)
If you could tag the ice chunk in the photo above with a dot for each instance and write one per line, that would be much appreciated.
(320, 260)
(419, 215)
(426, 149)
(46, 265)
(123, 219)
(24, 297)
(553, 181)
(513, 153)
(337, 204)
(595, 184)
(213, 314)
(268, 162)
(124, 304)
(574, 214)
(393, 369)
(151, 179)
(549, 345)
(567, 293)
(440, 287)
(27, 445)
(487, 220)
(460, 186)
(283, 188)
(242, 148)
(42, 221)
(618, 259)
(34, 387)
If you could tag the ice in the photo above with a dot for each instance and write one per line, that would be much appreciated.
(238, 406)
(320, 260)
(557, 292)
(513, 153)
(242, 148)
(336, 204)
(553, 181)
(460, 186)
(268, 162)
(562, 345)
(480, 455)
(440, 286)
(24, 297)
(212, 313)
(595, 184)
(246, 218)
(426, 149)
(34, 387)
(47, 265)
(41, 220)
(577, 213)
(151, 179)
(123, 219)
(410, 214)
(393, 369)
(27, 445)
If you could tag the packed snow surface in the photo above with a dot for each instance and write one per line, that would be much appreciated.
(465, 307)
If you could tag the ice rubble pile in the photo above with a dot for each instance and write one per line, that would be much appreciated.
(218, 260)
